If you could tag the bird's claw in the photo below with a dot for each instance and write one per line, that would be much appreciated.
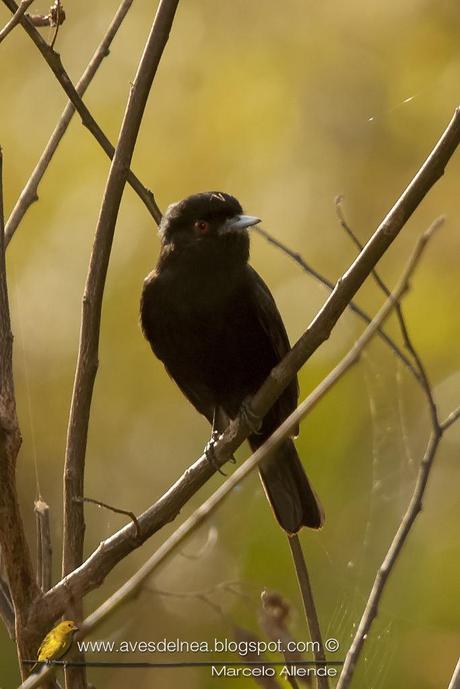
(253, 421)
(210, 453)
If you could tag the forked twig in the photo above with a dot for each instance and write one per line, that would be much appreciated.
(15, 19)
(298, 258)
(422, 376)
(54, 61)
(413, 509)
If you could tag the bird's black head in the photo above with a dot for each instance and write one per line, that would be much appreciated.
(206, 221)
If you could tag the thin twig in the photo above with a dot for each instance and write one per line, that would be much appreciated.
(30, 192)
(202, 596)
(387, 566)
(298, 258)
(15, 19)
(218, 588)
(44, 548)
(57, 15)
(117, 510)
(452, 418)
(455, 681)
(54, 61)
(422, 374)
(309, 607)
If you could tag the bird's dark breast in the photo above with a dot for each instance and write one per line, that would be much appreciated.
(209, 335)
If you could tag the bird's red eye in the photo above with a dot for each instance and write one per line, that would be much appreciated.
(202, 226)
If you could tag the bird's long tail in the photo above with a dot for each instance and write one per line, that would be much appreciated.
(288, 489)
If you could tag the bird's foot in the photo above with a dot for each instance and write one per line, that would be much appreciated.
(253, 421)
(210, 452)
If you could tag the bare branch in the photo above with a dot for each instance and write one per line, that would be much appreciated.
(309, 606)
(15, 19)
(54, 61)
(422, 374)
(298, 258)
(92, 301)
(347, 286)
(413, 509)
(29, 193)
(388, 563)
(57, 17)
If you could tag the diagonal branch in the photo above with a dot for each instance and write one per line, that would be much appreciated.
(330, 286)
(54, 61)
(93, 571)
(387, 566)
(15, 19)
(408, 519)
(422, 376)
(452, 418)
(309, 607)
(29, 194)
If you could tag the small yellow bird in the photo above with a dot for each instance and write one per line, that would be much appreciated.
(56, 643)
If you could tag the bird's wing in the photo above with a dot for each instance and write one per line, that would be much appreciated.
(197, 394)
(269, 318)
(162, 333)
(44, 648)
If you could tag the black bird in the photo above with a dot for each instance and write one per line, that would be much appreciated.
(214, 324)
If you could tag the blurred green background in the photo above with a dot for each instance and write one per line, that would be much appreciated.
(284, 105)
